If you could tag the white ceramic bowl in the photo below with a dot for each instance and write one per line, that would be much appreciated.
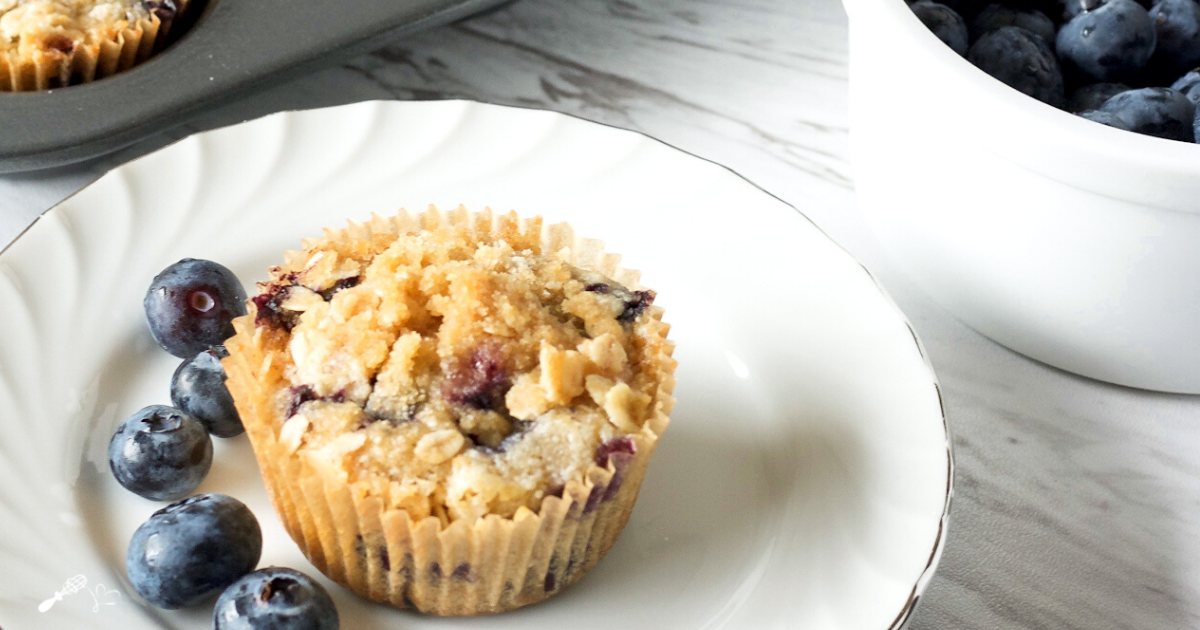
(1065, 240)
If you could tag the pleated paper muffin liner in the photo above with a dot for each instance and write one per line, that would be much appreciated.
(71, 63)
(491, 565)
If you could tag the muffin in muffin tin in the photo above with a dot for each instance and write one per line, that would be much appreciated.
(54, 43)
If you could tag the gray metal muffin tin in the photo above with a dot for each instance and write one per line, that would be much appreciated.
(234, 48)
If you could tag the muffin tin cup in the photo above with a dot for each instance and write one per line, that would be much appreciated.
(492, 565)
(223, 51)
(86, 63)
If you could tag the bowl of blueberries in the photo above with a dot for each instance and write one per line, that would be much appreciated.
(1033, 165)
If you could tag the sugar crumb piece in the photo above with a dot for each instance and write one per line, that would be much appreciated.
(440, 446)
(291, 436)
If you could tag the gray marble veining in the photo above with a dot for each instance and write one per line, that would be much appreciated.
(1078, 503)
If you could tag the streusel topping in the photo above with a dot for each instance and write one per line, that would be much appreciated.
(456, 375)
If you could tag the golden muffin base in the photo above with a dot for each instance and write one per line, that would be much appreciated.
(54, 68)
(494, 564)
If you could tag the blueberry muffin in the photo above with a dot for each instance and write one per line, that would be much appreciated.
(453, 412)
(54, 43)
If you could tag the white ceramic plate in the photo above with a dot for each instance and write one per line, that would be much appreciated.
(803, 483)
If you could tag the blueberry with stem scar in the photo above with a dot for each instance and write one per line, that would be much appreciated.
(275, 598)
(191, 305)
(160, 453)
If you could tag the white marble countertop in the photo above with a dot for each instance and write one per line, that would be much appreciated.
(1077, 503)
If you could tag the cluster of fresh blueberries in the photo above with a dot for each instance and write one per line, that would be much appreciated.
(1129, 64)
(207, 544)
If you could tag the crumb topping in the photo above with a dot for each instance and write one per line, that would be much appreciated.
(456, 375)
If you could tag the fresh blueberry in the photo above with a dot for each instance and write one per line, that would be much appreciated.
(1111, 43)
(1021, 60)
(1045, 7)
(944, 22)
(964, 8)
(275, 599)
(1189, 84)
(1072, 8)
(1068, 9)
(192, 550)
(1105, 118)
(160, 453)
(995, 16)
(198, 388)
(190, 306)
(1177, 23)
(1090, 97)
(1160, 112)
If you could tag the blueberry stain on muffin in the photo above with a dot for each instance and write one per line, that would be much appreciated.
(163, 9)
